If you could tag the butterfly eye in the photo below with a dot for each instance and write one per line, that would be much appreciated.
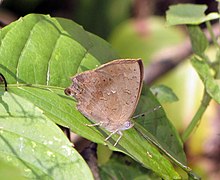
(127, 125)
(67, 91)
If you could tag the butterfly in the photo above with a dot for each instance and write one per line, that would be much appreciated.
(108, 95)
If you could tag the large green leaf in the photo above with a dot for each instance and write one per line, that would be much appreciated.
(29, 140)
(46, 52)
(62, 110)
(38, 49)
(188, 14)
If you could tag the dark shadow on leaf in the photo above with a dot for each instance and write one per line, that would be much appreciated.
(4, 103)
(12, 74)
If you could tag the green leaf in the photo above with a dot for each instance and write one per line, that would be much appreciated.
(212, 85)
(50, 50)
(6, 170)
(188, 14)
(198, 40)
(29, 140)
(158, 126)
(164, 94)
(103, 154)
(62, 110)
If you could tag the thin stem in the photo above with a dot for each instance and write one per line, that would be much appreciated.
(214, 39)
(196, 119)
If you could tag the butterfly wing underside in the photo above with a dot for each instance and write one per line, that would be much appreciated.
(109, 94)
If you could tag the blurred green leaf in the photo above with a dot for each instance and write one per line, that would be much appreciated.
(29, 140)
(188, 14)
(46, 52)
(103, 154)
(164, 94)
(211, 84)
(144, 39)
(198, 40)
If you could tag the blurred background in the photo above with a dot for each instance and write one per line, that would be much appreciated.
(137, 29)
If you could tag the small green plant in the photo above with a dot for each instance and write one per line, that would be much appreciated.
(208, 69)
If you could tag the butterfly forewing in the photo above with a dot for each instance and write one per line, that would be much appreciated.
(109, 94)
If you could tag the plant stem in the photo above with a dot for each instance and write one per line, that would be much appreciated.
(196, 119)
(214, 39)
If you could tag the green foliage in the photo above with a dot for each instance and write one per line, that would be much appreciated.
(164, 94)
(188, 14)
(38, 55)
(198, 40)
(46, 52)
(144, 40)
(29, 140)
(205, 72)
(208, 70)
(156, 126)
(122, 167)
(41, 44)
(6, 170)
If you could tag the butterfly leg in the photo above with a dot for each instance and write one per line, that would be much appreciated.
(120, 135)
(116, 131)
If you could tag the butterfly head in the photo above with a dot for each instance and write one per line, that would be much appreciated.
(75, 89)
(127, 125)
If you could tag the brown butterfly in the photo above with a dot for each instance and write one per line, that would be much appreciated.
(108, 95)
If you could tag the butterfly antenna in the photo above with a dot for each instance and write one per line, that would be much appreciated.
(143, 114)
